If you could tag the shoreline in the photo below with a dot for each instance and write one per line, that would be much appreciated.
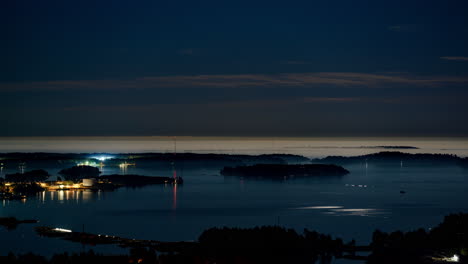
(265, 242)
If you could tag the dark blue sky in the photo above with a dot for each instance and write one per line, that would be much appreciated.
(289, 68)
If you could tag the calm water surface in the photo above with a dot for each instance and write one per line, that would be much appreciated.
(352, 206)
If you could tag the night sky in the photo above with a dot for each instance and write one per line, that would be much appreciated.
(219, 68)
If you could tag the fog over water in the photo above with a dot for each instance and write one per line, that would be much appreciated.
(309, 147)
(352, 206)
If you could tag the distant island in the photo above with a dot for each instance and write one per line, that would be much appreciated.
(217, 161)
(18, 186)
(154, 157)
(391, 147)
(357, 147)
(279, 171)
(398, 157)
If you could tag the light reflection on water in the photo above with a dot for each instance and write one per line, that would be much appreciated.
(341, 211)
(84, 196)
(62, 196)
(174, 197)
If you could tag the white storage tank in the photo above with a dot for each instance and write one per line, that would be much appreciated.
(89, 182)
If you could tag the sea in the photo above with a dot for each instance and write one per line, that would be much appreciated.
(350, 207)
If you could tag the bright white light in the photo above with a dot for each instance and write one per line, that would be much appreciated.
(62, 230)
(125, 165)
(455, 258)
(88, 163)
(102, 158)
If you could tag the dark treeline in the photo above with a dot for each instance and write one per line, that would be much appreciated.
(197, 160)
(23, 183)
(394, 147)
(397, 157)
(26, 188)
(28, 156)
(276, 158)
(274, 244)
(165, 161)
(445, 240)
(28, 176)
(270, 244)
(76, 173)
(384, 156)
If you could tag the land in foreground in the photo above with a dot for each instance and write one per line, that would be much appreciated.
(445, 243)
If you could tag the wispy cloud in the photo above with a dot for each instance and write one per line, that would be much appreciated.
(346, 79)
(237, 104)
(264, 103)
(454, 58)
